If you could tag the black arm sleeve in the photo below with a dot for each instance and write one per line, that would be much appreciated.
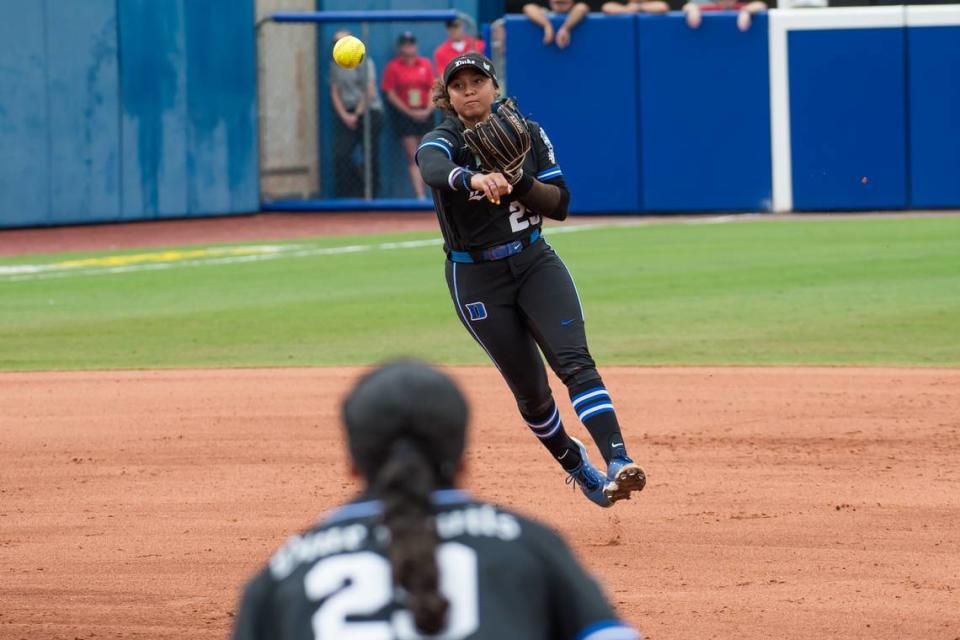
(547, 199)
(544, 192)
(435, 159)
(252, 621)
(579, 607)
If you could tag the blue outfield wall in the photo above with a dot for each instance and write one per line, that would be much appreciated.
(154, 120)
(933, 54)
(143, 109)
(586, 99)
(848, 119)
(222, 158)
(83, 116)
(686, 117)
(24, 160)
(704, 114)
(126, 110)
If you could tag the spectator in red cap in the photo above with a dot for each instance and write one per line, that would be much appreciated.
(457, 44)
(407, 80)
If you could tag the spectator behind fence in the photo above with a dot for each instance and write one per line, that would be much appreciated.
(636, 6)
(693, 11)
(457, 44)
(407, 80)
(355, 98)
(574, 13)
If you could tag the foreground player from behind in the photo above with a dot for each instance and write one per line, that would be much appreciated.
(414, 556)
(494, 177)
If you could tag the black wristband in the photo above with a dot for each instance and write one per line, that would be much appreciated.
(523, 187)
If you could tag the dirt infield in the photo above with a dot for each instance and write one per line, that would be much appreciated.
(783, 503)
(163, 233)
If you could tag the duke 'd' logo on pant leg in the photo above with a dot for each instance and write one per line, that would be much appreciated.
(477, 311)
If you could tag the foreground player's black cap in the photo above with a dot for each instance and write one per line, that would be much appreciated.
(410, 402)
(476, 60)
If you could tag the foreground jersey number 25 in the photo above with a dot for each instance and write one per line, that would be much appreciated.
(370, 589)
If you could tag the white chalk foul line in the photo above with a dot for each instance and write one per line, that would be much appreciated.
(260, 254)
(211, 256)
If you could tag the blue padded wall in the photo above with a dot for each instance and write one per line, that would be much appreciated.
(154, 98)
(222, 153)
(848, 118)
(934, 110)
(704, 114)
(24, 142)
(95, 120)
(189, 108)
(585, 97)
(83, 86)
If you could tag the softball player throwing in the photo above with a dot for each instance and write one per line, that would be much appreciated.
(414, 557)
(494, 177)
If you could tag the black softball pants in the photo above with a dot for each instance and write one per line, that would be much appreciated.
(517, 307)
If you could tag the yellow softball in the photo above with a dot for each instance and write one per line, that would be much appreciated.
(348, 52)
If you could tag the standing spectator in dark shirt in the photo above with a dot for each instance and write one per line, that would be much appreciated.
(355, 98)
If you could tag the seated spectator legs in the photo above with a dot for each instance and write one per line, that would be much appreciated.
(636, 6)
(574, 14)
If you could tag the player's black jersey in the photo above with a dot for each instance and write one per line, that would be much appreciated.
(467, 219)
(506, 577)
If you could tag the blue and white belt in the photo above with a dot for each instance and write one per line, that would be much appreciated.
(498, 252)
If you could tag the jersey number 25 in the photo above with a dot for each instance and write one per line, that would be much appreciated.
(519, 220)
(361, 584)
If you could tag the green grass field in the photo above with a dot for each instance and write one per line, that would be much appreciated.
(838, 292)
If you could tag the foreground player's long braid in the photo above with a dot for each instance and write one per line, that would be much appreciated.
(404, 484)
(406, 428)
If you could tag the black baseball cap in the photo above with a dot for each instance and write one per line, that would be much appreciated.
(406, 38)
(411, 404)
(476, 60)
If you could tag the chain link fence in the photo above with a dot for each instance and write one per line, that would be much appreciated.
(330, 134)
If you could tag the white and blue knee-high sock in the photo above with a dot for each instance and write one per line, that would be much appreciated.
(549, 430)
(595, 409)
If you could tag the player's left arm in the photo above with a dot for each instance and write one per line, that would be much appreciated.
(579, 607)
(545, 192)
(252, 621)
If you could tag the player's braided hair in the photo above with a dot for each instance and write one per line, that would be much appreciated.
(404, 485)
(406, 429)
